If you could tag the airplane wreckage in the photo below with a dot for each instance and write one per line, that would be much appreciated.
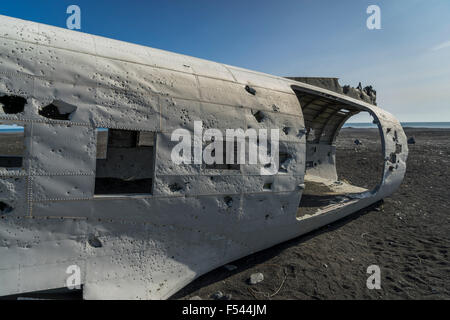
(92, 184)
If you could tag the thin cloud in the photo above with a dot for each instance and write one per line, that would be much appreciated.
(442, 46)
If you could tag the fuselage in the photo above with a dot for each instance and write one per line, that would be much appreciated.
(136, 224)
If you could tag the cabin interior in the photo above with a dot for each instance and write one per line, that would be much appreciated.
(324, 190)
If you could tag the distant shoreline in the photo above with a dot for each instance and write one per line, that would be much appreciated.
(417, 125)
(11, 130)
(355, 125)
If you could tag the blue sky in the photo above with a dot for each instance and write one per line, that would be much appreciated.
(407, 61)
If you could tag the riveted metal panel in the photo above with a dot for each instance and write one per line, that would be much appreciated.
(61, 148)
(63, 187)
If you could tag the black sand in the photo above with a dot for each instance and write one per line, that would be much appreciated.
(408, 236)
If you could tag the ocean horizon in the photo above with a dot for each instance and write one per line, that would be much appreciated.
(425, 125)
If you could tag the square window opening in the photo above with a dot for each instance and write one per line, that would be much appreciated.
(12, 145)
(125, 162)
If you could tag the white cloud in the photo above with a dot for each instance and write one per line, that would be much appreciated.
(442, 46)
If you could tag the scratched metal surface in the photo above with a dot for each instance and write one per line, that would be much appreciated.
(152, 245)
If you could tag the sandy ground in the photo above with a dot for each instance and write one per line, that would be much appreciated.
(408, 236)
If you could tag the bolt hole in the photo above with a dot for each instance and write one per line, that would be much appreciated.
(250, 90)
(259, 116)
(5, 208)
(94, 242)
(228, 201)
(267, 186)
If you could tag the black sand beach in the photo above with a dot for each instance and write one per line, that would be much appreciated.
(407, 236)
